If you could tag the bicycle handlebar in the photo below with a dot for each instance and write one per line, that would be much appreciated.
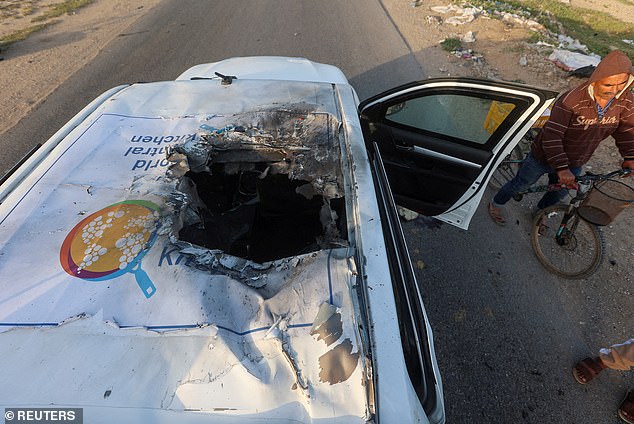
(583, 179)
(589, 177)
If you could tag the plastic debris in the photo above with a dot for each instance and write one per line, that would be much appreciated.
(467, 54)
(583, 72)
(433, 20)
(468, 14)
(463, 53)
(569, 61)
(446, 9)
(462, 15)
(570, 43)
(406, 214)
(469, 37)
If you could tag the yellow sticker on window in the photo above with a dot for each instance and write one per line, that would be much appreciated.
(496, 115)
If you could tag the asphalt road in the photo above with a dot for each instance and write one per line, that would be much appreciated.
(506, 333)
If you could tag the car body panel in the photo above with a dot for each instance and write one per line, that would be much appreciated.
(182, 329)
(268, 67)
(379, 295)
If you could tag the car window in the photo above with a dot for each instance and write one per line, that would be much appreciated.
(473, 119)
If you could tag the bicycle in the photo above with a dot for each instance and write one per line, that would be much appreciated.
(567, 239)
(507, 169)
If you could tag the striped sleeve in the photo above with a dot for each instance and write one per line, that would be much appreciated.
(624, 135)
(553, 134)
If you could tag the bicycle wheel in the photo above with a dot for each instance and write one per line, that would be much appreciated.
(575, 253)
(507, 169)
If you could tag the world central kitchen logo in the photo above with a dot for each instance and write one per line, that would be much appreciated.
(112, 242)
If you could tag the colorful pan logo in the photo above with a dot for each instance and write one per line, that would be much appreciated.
(112, 242)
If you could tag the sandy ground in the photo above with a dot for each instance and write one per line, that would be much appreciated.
(622, 10)
(30, 70)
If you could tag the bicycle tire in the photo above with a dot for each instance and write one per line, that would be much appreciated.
(507, 169)
(583, 253)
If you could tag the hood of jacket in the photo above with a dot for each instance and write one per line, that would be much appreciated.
(616, 62)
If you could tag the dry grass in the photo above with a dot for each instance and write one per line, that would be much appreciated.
(42, 15)
(56, 10)
(22, 34)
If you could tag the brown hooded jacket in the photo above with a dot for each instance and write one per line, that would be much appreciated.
(574, 129)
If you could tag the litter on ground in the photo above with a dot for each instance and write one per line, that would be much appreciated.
(569, 61)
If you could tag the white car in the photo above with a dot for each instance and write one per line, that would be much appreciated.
(225, 247)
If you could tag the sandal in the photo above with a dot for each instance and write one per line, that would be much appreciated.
(496, 214)
(626, 410)
(585, 370)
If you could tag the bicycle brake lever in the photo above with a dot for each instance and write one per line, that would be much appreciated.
(559, 186)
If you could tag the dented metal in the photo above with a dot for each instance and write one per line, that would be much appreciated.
(225, 332)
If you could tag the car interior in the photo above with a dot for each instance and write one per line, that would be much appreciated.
(434, 146)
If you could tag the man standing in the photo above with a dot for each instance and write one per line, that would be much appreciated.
(580, 119)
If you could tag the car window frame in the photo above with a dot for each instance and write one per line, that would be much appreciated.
(419, 362)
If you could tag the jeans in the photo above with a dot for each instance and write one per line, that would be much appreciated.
(527, 175)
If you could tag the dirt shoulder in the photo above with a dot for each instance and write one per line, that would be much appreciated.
(498, 49)
(33, 68)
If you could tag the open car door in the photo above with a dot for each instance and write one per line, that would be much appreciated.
(441, 139)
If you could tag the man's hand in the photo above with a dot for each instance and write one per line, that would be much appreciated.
(566, 177)
(628, 164)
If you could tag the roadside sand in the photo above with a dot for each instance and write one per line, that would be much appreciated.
(30, 70)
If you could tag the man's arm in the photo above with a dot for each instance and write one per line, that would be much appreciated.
(624, 134)
(553, 134)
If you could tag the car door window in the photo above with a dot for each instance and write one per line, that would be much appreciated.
(473, 119)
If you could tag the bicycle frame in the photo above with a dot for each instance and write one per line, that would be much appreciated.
(565, 233)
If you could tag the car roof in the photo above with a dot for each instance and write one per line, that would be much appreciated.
(195, 328)
(269, 68)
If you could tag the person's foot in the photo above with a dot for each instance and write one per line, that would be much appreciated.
(585, 370)
(626, 410)
(497, 214)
